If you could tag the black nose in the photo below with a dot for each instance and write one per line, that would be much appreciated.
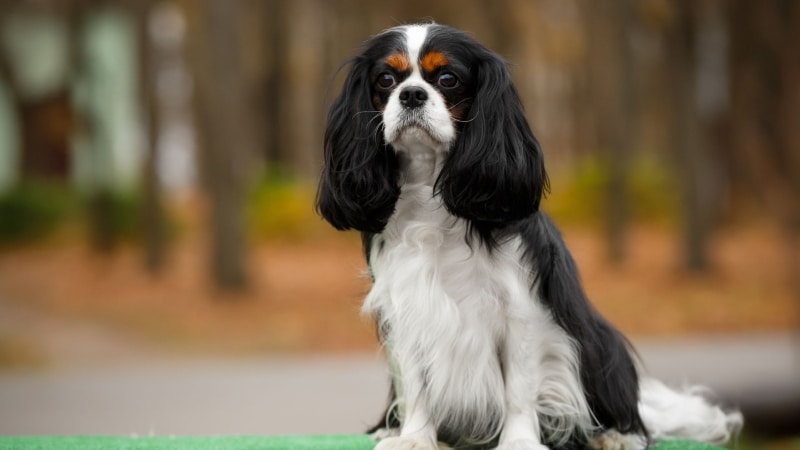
(413, 97)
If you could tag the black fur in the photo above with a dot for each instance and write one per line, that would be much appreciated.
(608, 374)
(358, 188)
(494, 175)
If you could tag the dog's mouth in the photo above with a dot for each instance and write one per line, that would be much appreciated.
(414, 128)
(417, 127)
(418, 135)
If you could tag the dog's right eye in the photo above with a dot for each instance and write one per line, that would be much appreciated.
(386, 80)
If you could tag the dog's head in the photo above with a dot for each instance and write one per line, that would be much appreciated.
(429, 85)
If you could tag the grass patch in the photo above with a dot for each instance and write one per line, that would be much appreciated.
(36, 210)
(281, 207)
(580, 196)
(33, 210)
(113, 216)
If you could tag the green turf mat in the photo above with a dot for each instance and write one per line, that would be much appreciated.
(333, 442)
(682, 445)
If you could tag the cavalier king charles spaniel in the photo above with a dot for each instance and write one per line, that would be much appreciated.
(491, 340)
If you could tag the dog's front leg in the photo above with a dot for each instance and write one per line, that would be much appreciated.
(519, 432)
(417, 431)
(521, 426)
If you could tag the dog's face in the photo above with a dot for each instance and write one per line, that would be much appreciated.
(423, 87)
(429, 86)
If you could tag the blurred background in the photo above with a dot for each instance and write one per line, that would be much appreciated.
(158, 165)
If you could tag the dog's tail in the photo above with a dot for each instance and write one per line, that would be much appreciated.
(686, 414)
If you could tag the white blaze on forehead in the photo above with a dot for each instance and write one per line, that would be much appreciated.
(415, 130)
(415, 38)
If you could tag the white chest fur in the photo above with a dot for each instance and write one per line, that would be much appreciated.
(445, 304)
(464, 332)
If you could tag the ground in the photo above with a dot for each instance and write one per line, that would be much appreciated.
(59, 299)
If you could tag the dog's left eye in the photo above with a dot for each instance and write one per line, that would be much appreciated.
(386, 81)
(447, 80)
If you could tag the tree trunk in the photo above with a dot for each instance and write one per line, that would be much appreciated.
(275, 83)
(611, 88)
(765, 107)
(46, 123)
(220, 105)
(153, 220)
(691, 156)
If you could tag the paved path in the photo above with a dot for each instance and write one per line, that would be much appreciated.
(276, 396)
(68, 342)
(734, 366)
(322, 394)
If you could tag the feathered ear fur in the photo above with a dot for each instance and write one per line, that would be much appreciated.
(358, 188)
(495, 172)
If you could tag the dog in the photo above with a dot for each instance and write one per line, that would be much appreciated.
(491, 340)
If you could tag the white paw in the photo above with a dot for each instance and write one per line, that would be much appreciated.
(383, 433)
(614, 440)
(522, 444)
(406, 443)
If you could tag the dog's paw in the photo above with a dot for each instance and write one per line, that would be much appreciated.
(405, 443)
(614, 440)
(522, 444)
(383, 433)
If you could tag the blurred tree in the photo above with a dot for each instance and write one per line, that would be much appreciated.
(611, 90)
(305, 79)
(728, 69)
(44, 112)
(765, 91)
(693, 157)
(274, 81)
(153, 218)
(221, 115)
(53, 101)
(102, 61)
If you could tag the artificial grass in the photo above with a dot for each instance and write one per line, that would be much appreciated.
(325, 442)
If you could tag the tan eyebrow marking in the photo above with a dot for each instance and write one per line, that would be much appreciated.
(433, 60)
(398, 62)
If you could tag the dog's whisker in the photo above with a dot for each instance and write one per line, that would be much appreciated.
(459, 102)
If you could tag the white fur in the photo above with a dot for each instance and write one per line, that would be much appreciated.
(668, 413)
(449, 309)
(522, 444)
(406, 443)
(415, 39)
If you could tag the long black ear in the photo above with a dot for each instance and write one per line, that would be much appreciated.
(495, 173)
(358, 188)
